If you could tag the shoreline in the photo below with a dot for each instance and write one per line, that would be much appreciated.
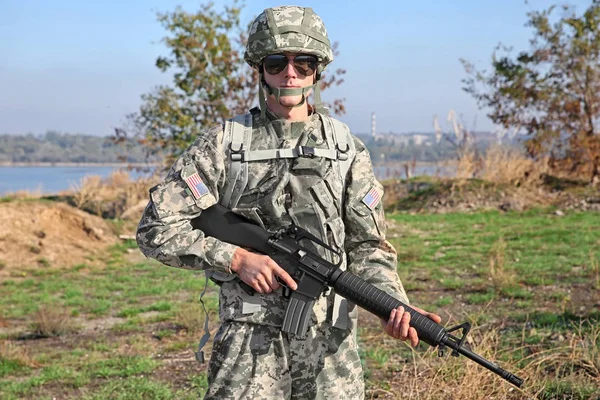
(83, 164)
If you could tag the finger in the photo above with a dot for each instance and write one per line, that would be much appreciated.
(275, 285)
(397, 328)
(384, 323)
(434, 317)
(272, 282)
(285, 277)
(405, 325)
(389, 324)
(264, 286)
(255, 285)
(413, 336)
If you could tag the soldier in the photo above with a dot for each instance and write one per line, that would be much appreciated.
(286, 162)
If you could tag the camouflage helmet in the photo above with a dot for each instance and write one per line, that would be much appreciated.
(287, 29)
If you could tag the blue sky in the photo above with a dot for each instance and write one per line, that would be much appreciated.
(76, 66)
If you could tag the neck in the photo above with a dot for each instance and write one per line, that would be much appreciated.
(288, 113)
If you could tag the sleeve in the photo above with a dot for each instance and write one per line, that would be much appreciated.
(370, 255)
(192, 185)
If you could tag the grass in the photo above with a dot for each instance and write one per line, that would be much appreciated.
(526, 281)
(533, 245)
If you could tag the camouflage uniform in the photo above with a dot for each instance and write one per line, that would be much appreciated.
(251, 357)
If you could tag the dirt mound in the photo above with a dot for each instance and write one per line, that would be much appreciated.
(45, 234)
(447, 195)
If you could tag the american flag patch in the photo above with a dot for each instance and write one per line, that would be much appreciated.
(196, 185)
(372, 198)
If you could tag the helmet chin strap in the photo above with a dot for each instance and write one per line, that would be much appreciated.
(278, 92)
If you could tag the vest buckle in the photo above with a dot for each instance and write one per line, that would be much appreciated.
(237, 153)
(306, 151)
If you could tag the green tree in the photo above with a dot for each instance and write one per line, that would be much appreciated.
(551, 91)
(211, 81)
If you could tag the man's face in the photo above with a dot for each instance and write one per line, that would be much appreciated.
(290, 70)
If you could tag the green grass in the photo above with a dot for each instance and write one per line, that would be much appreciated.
(444, 261)
(134, 388)
(540, 247)
(11, 367)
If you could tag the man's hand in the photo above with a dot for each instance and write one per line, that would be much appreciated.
(398, 325)
(259, 271)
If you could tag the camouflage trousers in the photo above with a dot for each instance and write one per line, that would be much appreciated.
(252, 361)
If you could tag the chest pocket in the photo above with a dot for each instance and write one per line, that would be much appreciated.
(317, 166)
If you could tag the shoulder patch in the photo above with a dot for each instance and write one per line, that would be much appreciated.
(373, 197)
(194, 182)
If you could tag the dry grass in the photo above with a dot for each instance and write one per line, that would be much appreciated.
(191, 316)
(26, 194)
(429, 377)
(498, 273)
(469, 163)
(51, 321)
(87, 191)
(507, 165)
(501, 164)
(10, 351)
(578, 356)
(595, 269)
(117, 196)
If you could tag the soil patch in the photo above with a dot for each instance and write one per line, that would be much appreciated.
(49, 235)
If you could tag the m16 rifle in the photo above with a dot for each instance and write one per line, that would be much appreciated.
(314, 275)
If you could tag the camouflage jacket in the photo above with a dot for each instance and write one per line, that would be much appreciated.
(306, 191)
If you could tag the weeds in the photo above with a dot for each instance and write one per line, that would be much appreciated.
(14, 358)
(114, 197)
(580, 354)
(87, 191)
(500, 276)
(502, 164)
(595, 269)
(51, 321)
(191, 316)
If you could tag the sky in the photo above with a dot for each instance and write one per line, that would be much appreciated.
(82, 66)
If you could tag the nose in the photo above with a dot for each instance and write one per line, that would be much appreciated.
(290, 71)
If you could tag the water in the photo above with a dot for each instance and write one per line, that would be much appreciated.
(50, 180)
(398, 170)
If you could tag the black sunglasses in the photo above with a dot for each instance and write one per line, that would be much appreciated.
(304, 64)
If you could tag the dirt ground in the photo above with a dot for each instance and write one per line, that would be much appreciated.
(38, 234)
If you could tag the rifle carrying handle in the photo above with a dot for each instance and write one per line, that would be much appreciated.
(381, 304)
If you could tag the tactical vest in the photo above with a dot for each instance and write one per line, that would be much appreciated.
(337, 150)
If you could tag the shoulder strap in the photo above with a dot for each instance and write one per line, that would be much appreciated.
(346, 151)
(237, 137)
(344, 144)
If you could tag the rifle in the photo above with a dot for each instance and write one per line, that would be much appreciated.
(314, 275)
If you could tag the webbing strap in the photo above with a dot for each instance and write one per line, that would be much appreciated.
(237, 131)
(345, 149)
(300, 151)
(200, 353)
(273, 30)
